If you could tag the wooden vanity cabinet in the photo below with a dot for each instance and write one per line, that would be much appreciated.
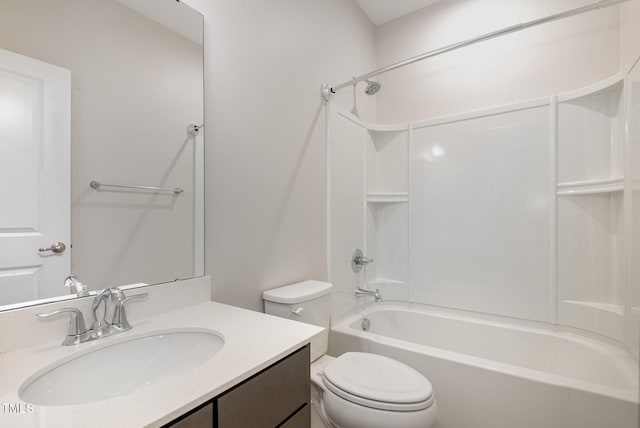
(198, 418)
(278, 396)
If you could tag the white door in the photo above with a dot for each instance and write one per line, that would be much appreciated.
(35, 118)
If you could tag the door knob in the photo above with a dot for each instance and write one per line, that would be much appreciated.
(56, 247)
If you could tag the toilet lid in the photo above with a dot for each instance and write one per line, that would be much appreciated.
(369, 378)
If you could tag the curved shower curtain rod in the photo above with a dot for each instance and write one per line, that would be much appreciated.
(328, 90)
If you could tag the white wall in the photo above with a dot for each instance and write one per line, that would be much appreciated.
(265, 135)
(633, 212)
(539, 61)
(629, 33)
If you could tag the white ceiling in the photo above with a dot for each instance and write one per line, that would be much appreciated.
(171, 14)
(382, 11)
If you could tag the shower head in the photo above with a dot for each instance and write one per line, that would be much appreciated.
(372, 87)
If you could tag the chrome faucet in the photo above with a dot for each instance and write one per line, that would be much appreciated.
(362, 292)
(72, 281)
(100, 327)
(78, 332)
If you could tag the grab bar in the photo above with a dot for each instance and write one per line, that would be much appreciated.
(96, 185)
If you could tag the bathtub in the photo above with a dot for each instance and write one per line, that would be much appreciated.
(491, 372)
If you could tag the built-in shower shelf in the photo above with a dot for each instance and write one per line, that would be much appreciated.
(385, 281)
(609, 85)
(591, 187)
(603, 318)
(608, 307)
(387, 198)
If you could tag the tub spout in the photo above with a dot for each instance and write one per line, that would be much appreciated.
(376, 294)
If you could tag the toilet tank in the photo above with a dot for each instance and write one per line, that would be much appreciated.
(308, 302)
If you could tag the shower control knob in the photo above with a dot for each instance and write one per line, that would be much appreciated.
(358, 260)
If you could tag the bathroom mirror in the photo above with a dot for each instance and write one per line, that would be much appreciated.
(109, 92)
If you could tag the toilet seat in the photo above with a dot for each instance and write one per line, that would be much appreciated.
(378, 382)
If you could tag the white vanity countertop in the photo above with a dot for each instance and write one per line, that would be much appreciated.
(253, 341)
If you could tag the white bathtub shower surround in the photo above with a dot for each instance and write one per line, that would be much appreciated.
(505, 375)
(480, 204)
(519, 210)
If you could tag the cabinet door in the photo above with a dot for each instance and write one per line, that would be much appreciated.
(302, 419)
(270, 397)
(202, 418)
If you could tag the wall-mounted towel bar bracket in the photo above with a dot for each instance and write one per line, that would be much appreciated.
(96, 185)
(194, 129)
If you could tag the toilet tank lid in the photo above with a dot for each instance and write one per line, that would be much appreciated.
(298, 292)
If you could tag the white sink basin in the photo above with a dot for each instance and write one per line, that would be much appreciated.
(119, 368)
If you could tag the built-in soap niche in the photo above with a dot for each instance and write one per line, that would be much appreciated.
(387, 160)
(388, 245)
(590, 131)
(591, 263)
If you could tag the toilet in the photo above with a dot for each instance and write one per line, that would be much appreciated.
(356, 389)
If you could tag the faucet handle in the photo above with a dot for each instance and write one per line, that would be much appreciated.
(77, 328)
(120, 321)
(358, 260)
(135, 296)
